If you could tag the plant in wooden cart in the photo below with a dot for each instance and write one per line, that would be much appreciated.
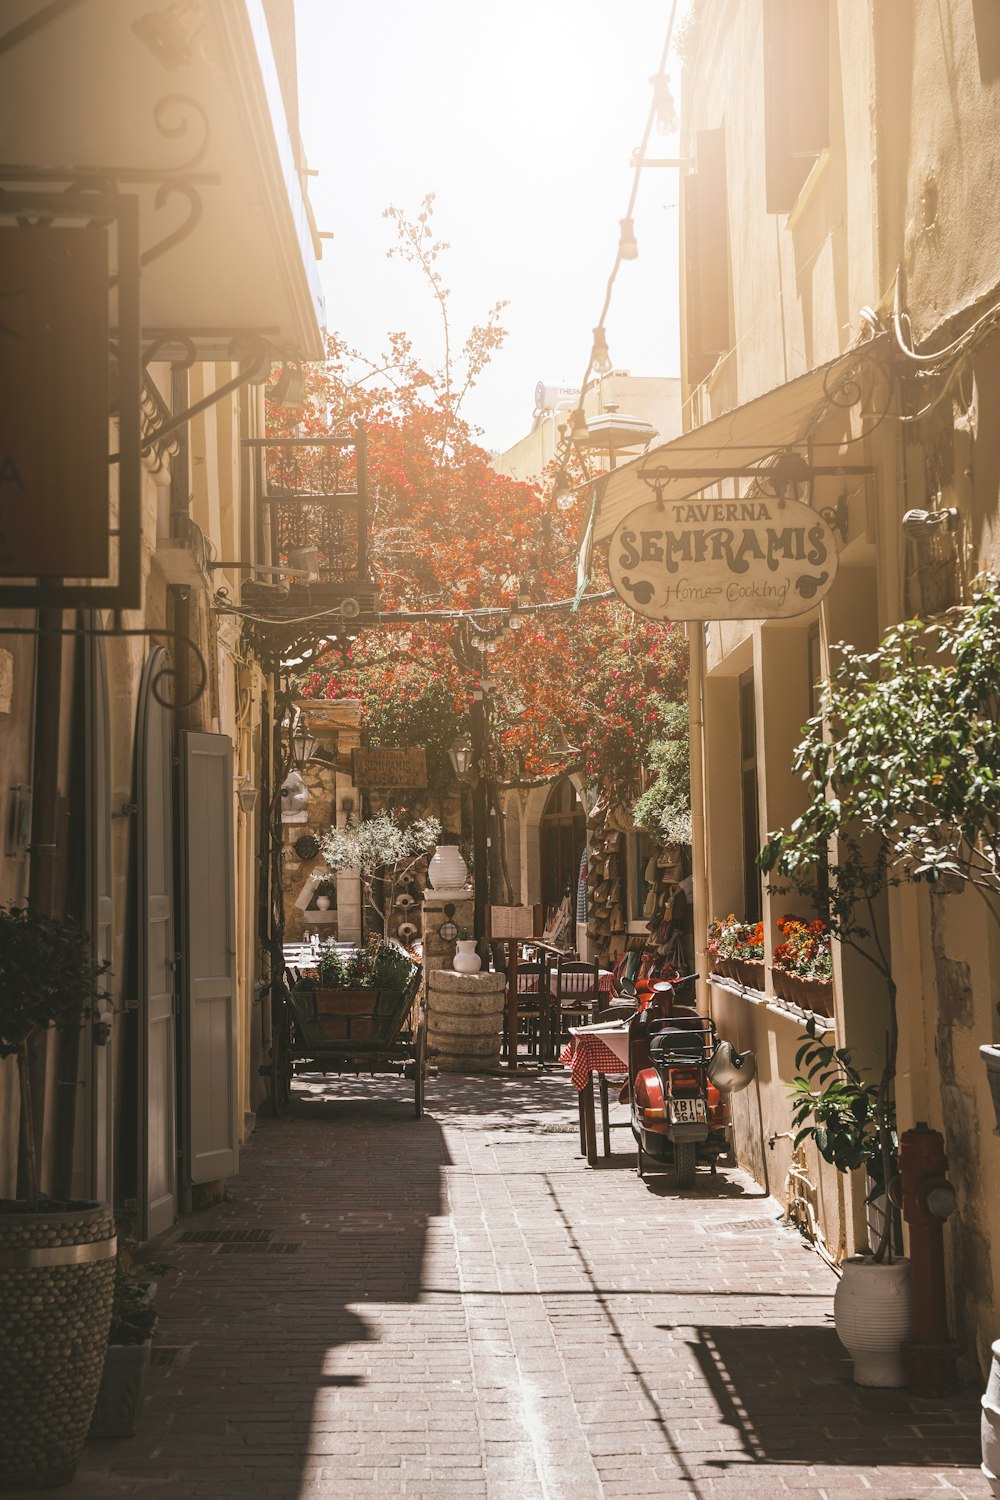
(386, 852)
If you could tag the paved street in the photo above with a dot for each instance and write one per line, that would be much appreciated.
(458, 1307)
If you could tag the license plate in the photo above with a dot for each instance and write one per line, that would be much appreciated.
(687, 1111)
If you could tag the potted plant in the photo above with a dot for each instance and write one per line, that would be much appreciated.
(323, 894)
(57, 1259)
(736, 950)
(830, 859)
(130, 1341)
(802, 968)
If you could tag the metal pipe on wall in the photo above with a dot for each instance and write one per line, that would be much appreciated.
(699, 852)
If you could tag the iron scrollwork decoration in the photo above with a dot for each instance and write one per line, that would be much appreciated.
(836, 517)
(157, 633)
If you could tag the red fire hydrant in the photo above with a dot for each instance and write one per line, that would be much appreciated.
(928, 1199)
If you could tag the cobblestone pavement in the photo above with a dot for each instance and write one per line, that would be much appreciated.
(458, 1307)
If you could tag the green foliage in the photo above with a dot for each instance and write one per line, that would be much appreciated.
(664, 809)
(833, 1105)
(371, 844)
(387, 967)
(385, 851)
(48, 976)
(910, 755)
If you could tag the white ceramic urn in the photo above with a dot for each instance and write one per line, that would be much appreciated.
(991, 1425)
(466, 960)
(447, 869)
(872, 1313)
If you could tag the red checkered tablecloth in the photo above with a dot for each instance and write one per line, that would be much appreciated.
(588, 1054)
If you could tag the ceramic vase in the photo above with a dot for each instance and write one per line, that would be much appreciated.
(871, 1311)
(466, 960)
(322, 903)
(447, 869)
(991, 1425)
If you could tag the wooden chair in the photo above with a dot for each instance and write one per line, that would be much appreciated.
(532, 980)
(576, 999)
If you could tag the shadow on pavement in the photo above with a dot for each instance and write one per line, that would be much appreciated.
(788, 1392)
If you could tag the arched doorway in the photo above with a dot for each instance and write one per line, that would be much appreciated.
(562, 839)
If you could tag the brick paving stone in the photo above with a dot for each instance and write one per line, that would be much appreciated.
(472, 1312)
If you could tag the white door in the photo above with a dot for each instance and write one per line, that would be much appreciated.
(208, 957)
(157, 965)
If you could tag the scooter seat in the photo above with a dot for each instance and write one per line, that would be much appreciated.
(674, 1040)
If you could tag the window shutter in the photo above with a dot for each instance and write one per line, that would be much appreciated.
(796, 95)
(209, 956)
(697, 361)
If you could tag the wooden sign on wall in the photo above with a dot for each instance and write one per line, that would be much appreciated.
(389, 769)
(704, 559)
(54, 514)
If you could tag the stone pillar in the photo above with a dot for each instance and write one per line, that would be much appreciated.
(464, 1020)
(439, 951)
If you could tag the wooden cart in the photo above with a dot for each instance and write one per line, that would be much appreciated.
(323, 1030)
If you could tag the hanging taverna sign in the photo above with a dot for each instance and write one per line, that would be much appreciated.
(758, 558)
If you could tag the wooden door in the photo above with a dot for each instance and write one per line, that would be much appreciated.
(157, 958)
(99, 1093)
(209, 957)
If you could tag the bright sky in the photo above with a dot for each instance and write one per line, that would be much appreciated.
(521, 117)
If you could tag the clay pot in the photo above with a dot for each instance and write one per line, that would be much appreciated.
(872, 1315)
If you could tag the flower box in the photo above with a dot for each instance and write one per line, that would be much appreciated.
(748, 971)
(812, 994)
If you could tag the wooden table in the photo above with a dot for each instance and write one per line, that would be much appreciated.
(594, 1050)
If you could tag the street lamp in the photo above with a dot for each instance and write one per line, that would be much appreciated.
(460, 756)
(303, 743)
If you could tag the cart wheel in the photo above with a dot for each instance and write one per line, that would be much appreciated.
(685, 1163)
(420, 1070)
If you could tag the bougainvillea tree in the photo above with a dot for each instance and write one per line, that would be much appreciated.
(449, 534)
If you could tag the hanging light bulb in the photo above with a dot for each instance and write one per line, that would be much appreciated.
(563, 495)
(663, 103)
(627, 247)
(601, 361)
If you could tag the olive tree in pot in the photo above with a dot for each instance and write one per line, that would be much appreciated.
(386, 852)
(57, 1259)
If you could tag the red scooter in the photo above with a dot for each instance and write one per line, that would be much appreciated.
(679, 1076)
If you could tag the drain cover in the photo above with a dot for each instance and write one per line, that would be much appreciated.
(734, 1226)
(225, 1236)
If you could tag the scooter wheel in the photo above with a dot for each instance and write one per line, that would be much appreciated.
(685, 1163)
(639, 1161)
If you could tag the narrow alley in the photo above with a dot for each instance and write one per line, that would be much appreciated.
(456, 1306)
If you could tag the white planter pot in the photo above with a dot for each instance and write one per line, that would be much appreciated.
(872, 1314)
(466, 960)
(447, 869)
(991, 1424)
(322, 903)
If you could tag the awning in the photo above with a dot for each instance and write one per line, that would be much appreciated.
(782, 419)
(202, 139)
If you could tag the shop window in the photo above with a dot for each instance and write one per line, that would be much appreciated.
(641, 848)
(752, 903)
(796, 95)
(708, 327)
